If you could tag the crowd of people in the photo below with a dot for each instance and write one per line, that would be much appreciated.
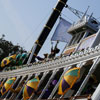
(21, 59)
(53, 53)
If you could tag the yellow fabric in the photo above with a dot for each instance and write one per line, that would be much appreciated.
(25, 94)
(2, 62)
(69, 79)
(31, 84)
(7, 59)
(7, 86)
(13, 56)
(34, 85)
(60, 88)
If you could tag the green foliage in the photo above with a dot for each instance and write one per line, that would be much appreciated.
(7, 47)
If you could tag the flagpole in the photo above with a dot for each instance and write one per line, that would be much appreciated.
(56, 44)
(46, 30)
(57, 36)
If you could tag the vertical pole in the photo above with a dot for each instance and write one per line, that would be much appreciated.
(92, 69)
(14, 86)
(32, 97)
(46, 30)
(55, 88)
(51, 78)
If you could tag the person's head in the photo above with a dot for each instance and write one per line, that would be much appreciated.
(54, 82)
(57, 50)
(46, 55)
(52, 51)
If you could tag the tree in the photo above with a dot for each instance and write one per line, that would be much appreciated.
(7, 47)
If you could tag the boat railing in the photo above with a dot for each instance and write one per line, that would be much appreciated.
(51, 64)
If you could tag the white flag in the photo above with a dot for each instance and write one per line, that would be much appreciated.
(60, 33)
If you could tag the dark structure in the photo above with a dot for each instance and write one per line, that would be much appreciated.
(46, 30)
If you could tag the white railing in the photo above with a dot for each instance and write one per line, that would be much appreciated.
(60, 62)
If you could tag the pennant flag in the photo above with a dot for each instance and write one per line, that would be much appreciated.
(13, 56)
(30, 87)
(68, 80)
(8, 84)
(60, 33)
(7, 60)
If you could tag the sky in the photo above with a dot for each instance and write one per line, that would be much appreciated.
(23, 20)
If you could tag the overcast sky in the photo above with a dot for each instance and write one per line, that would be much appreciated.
(22, 20)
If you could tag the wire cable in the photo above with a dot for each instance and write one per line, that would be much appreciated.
(25, 41)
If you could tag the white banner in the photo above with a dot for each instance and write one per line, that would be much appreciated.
(87, 42)
(60, 33)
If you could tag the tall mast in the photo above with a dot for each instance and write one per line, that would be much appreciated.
(46, 30)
